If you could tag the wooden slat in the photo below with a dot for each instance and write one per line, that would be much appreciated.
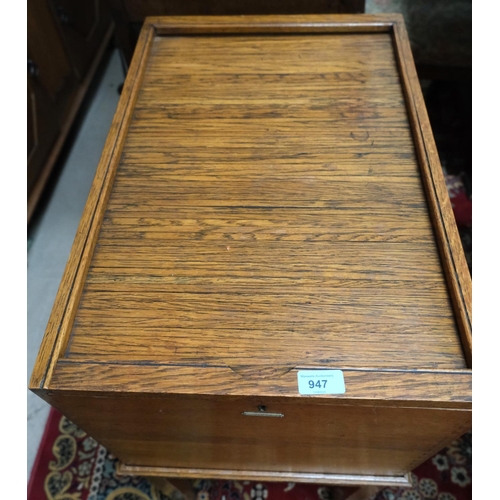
(402, 388)
(246, 224)
(136, 279)
(239, 348)
(266, 192)
(275, 259)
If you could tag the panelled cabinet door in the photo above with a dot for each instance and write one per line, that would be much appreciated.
(66, 41)
(82, 24)
(42, 128)
(52, 67)
(51, 83)
(31, 127)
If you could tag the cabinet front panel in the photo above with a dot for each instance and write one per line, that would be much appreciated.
(213, 433)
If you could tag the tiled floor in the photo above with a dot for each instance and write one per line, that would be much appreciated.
(55, 226)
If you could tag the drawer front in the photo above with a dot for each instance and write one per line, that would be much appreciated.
(236, 434)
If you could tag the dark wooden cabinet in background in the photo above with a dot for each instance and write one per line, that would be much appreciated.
(82, 26)
(66, 41)
(130, 14)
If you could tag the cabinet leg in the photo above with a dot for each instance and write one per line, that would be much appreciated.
(364, 493)
(178, 489)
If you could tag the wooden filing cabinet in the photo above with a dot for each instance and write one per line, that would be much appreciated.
(269, 202)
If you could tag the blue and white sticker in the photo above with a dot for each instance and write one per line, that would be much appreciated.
(321, 382)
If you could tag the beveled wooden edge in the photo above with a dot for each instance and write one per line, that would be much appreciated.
(65, 305)
(250, 475)
(452, 255)
(450, 389)
(62, 316)
(308, 23)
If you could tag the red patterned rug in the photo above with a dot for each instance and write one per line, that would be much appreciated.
(71, 466)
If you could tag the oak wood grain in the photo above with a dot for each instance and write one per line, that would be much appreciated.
(265, 204)
(257, 167)
(255, 225)
(371, 387)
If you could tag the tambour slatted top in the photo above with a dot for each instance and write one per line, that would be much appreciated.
(270, 199)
